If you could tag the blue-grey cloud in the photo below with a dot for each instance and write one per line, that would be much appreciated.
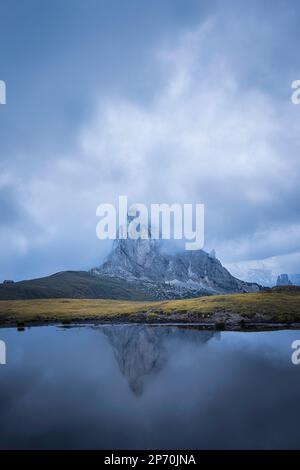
(162, 102)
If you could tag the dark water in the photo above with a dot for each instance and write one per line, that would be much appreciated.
(148, 387)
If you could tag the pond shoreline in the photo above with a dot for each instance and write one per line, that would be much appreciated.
(205, 326)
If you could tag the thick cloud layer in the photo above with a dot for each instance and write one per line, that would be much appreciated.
(216, 128)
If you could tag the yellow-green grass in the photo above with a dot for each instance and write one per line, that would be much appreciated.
(66, 309)
(277, 306)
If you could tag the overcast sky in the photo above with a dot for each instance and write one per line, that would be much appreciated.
(164, 101)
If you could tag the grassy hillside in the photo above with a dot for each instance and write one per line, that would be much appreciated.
(73, 284)
(275, 305)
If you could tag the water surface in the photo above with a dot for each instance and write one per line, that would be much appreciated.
(136, 386)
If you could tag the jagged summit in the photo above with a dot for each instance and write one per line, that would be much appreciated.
(135, 259)
(183, 274)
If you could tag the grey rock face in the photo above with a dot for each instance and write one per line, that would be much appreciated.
(183, 274)
(283, 280)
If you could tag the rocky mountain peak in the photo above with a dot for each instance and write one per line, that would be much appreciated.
(185, 273)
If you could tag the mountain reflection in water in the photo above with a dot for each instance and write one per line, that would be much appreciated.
(141, 350)
(148, 387)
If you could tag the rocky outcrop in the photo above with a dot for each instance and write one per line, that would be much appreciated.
(283, 280)
(183, 274)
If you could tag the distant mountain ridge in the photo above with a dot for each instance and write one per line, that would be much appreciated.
(295, 278)
(259, 272)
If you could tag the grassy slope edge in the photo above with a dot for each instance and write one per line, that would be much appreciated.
(280, 305)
